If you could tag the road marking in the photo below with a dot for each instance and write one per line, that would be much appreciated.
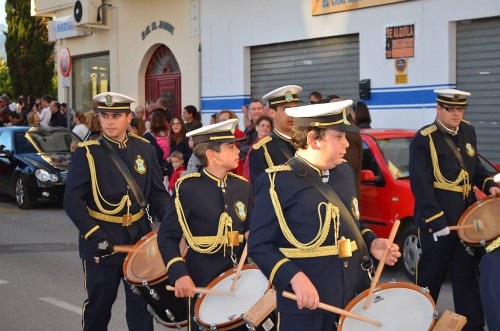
(9, 210)
(3, 281)
(62, 304)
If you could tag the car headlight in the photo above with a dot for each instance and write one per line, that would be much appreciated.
(44, 176)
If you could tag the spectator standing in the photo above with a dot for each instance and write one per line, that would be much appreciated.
(45, 113)
(361, 115)
(139, 112)
(137, 127)
(314, 97)
(163, 106)
(33, 118)
(178, 141)
(444, 167)
(191, 117)
(94, 126)
(158, 133)
(80, 128)
(57, 119)
(178, 167)
(223, 116)
(263, 127)
(255, 110)
(4, 113)
(14, 119)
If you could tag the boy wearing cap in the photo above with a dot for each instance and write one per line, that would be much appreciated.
(212, 209)
(106, 212)
(296, 231)
(276, 148)
(444, 167)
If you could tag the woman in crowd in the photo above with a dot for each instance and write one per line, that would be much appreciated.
(362, 116)
(157, 136)
(33, 118)
(80, 128)
(178, 141)
(263, 126)
(192, 118)
(94, 126)
(225, 115)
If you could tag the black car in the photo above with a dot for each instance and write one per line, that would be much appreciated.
(34, 163)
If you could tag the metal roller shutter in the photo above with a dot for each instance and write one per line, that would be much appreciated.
(478, 71)
(327, 65)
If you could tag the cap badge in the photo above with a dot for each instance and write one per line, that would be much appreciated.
(288, 96)
(139, 165)
(233, 129)
(344, 115)
(456, 97)
(355, 207)
(470, 150)
(109, 100)
(241, 210)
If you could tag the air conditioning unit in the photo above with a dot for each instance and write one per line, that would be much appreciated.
(86, 12)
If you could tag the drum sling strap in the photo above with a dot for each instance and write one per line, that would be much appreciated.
(283, 149)
(328, 192)
(131, 183)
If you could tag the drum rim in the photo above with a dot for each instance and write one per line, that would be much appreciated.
(466, 214)
(385, 286)
(238, 320)
(129, 258)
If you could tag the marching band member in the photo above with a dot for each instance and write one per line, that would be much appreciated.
(296, 231)
(105, 211)
(212, 209)
(444, 167)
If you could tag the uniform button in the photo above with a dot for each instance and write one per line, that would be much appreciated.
(225, 206)
(346, 264)
(224, 190)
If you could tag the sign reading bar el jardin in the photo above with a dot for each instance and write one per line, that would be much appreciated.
(320, 7)
(399, 41)
(157, 25)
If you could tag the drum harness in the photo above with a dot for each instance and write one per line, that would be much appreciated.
(332, 197)
(131, 185)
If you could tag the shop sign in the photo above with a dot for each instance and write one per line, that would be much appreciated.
(320, 7)
(64, 28)
(162, 25)
(401, 76)
(399, 41)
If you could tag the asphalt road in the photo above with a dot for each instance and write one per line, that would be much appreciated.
(41, 277)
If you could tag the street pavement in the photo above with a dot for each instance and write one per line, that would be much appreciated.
(41, 276)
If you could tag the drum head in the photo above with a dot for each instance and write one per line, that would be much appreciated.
(486, 213)
(145, 262)
(223, 310)
(400, 306)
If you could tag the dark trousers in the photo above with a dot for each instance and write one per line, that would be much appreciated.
(433, 267)
(101, 283)
(490, 288)
(301, 322)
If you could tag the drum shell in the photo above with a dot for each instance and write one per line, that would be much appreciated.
(487, 211)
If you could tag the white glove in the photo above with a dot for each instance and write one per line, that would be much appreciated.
(441, 233)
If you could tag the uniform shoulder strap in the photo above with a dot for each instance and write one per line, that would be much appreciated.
(262, 142)
(88, 143)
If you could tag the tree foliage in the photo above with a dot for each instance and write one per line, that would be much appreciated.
(30, 55)
(5, 85)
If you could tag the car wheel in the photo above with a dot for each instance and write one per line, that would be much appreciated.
(410, 251)
(22, 199)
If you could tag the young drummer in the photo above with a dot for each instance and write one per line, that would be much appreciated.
(212, 209)
(296, 232)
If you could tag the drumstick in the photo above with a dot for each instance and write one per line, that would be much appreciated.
(203, 290)
(124, 248)
(477, 225)
(381, 264)
(240, 266)
(335, 310)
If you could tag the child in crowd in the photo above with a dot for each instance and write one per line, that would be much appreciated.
(177, 164)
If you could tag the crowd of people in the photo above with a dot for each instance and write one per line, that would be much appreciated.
(287, 186)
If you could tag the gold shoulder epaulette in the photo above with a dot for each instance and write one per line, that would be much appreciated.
(237, 176)
(466, 122)
(88, 143)
(428, 130)
(282, 167)
(130, 134)
(187, 176)
(262, 142)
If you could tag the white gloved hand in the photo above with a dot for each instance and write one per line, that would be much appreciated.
(441, 233)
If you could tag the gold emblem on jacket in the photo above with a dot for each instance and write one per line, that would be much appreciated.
(140, 165)
(470, 150)
(241, 210)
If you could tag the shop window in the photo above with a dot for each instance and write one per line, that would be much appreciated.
(91, 77)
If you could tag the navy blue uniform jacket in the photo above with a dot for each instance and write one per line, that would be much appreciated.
(337, 280)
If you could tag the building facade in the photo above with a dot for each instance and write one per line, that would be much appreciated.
(219, 54)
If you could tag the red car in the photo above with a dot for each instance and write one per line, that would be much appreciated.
(386, 193)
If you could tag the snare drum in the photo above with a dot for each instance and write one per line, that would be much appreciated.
(398, 306)
(487, 211)
(224, 312)
(144, 270)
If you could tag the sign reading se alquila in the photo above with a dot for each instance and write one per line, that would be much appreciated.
(320, 7)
